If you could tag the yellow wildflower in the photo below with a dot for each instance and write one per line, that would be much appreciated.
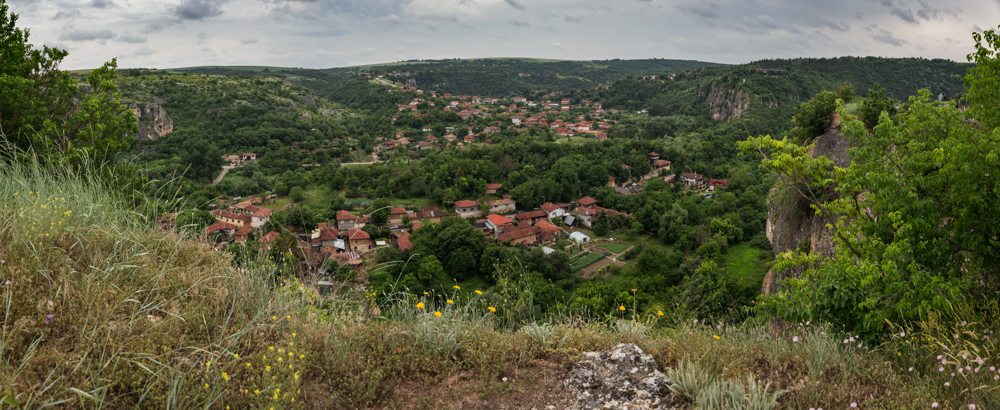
(208, 363)
(716, 337)
(450, 301)
(621, 308)
(438, 314)
(659, 313)
(268, 368)
(492, 309)
(225, 376)
(478, 292)
(633, 290)
(457, 287)
(420, 305)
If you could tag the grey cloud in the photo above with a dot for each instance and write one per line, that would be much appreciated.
(75, 34)
(976, 28)
(767, 21)
(197, 9)
(887, 38)
(707, 10)
(906, 15)
(574, 19)
(248, 41)
(152, 28)
(519, 23)
(202, 38)
(129, 38)
(142, 52)
(515, 4)
(392, 19)
(887, 3)
(63, 14)
(101, 4)
(830, 24)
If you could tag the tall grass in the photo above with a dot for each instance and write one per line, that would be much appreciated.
(100, 308)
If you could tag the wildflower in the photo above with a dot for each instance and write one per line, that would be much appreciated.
(854, 405)
(248, 364)
(302, 356)
(940, 369)
(49, 303)
(935, 404)
(634, 290)
(946, 384)
(270, 348)
(717, 337)
(256, 391)
(206, 385)
(208, 364)
(965, 356)
(48, 318)
(420, 305)
(457, 287)
(956, 335)
(236, 355)
(902, 334)
(972, 407)
(993, 368)
(659, 313)
(621, 308)
(807, 322)
(478, 292)
(268, 368)
(492, 309)
(939, 357)
(696, 320)
(795, 339)
(911, 369)
(225, 376)
(450, 301)
(438, 314)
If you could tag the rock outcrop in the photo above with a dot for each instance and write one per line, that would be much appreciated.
(153, 120)
(791, 223)
(619, 378)
(727, 104)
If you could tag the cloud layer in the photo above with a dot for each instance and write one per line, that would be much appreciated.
(331, 33)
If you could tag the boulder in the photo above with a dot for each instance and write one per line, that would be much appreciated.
(623, 377)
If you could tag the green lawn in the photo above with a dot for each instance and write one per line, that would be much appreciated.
(746, 263)
(615, 247)
(582, 262)
(277, 203)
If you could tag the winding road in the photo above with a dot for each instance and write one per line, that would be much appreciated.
(225, 169)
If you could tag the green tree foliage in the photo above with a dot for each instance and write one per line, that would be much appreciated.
(456, 243)
(202, 159)
(873, 107)
(814, 116)
(918, 219)
(42, 109)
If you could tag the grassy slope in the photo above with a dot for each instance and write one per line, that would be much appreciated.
(143, 318)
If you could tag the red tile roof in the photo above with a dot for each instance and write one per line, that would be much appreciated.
(499, 219)
(270, 237)
(653, 154)
(221, 226)
(465, 204)
(586, 201)
(344, 216)
(357, 234)
(531, 215)
(494, 186)
(549, 207)
(546, 226)
(404, 242)
(520, 233)
(244, 231)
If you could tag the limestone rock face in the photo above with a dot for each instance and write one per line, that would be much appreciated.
(619, 378)
(726, 104)
(153, 120)
(791, 223)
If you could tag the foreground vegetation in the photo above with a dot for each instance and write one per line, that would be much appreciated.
(102, 309)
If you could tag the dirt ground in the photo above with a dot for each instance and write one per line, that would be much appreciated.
(539, 386)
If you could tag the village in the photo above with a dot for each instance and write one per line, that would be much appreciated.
(497, 216)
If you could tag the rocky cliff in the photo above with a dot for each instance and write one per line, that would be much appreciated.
(153, 120)
(791, 223)
(727, 104)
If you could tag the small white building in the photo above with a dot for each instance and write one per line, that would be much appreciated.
(579, 237)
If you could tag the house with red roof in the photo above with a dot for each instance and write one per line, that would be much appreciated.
(401, 240)
(396, 216)
(553, 211)
(345, 220)
(547, 232)
(468, 209)
(527, 236)
(586, 202)
(693, 180)
(497, 223)
(531, 216)
(491, 189)
(358, 240)
(243, 234)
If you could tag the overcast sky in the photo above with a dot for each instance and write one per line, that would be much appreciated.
(336, 33)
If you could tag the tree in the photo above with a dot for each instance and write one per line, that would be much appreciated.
(671, 223)
(455, 242)
(877, 103)
(202, 159)
(297, 194)
(43, 111)
(917, 217)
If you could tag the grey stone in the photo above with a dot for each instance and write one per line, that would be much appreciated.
(623, 377)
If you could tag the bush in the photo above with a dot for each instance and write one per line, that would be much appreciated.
(813, 117)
